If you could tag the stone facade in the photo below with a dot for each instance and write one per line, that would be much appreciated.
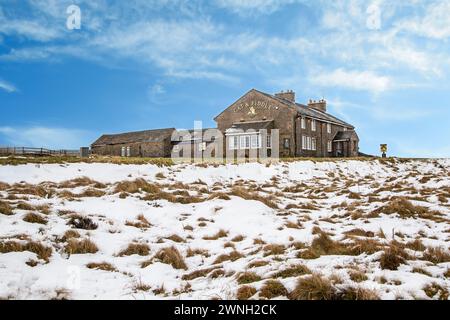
(304, 130)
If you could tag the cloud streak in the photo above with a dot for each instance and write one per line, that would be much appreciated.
(8, 87)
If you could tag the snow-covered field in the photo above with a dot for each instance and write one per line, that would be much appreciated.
(337, 230)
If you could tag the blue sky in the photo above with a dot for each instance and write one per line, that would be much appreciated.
(382, 65)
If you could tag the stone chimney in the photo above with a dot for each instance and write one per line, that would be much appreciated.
(320, 105)
(288, 95)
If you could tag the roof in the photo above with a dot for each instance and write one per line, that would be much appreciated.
(156, 135)
(345, 135)
(256, 125)
(304, 110)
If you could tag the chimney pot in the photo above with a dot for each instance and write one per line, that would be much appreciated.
(288, 95)
(320, 105)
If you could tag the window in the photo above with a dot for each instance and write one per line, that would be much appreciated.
(329, 127)
(330, 146)
(233, 143)
(313, 125)
(245, 142)
(303, 123)
(304, 142)
(176, 148)
(345, 129)
(308, 143)
(128, 152)
(286, 143)
(123, 152)
(314, 144)
(242, 142)
(269, 142)
(255, 142)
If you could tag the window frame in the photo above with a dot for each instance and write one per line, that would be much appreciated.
(303, 123)
(328, 127)
(313, 125)
(330, 146)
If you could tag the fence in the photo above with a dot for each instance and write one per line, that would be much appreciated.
(27, 151)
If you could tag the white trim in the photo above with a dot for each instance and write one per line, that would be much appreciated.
(313, 124)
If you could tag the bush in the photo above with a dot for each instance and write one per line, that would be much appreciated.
(392, 257)
(5, 208)
(80, 222)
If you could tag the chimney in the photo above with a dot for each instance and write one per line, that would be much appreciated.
(320, 105)
(288, 95)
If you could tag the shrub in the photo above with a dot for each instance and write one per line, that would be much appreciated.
(357, 293)
(171, 256)
(293, 271)
(248, 277)
(141, 249)
(272, 289)
(34, 218)
(80, 222)
(434, 290)
(80, 246)
(313, 287)
(245, 292)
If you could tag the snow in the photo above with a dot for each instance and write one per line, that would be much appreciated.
(67, 276)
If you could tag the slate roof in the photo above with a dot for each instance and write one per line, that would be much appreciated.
(256, 125)
(345, 135)
(156, 135)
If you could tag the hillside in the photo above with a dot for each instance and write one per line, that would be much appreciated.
(344, 229)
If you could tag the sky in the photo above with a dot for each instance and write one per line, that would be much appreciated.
(118, 66)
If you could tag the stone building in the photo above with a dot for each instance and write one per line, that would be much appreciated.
(303, 130)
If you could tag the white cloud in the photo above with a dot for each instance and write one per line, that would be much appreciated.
(8, 87)
(249, 7)
(435, 23)
(356, 80)
(45, 137)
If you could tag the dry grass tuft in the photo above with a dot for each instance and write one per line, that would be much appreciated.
(105, 266)
(80, 246)
(245, 292)
(5, 208)
(232, 256)
(313, 287)
(141, 223)
(392, 257)
(69, 234)
(248, 277)
(197, 252)
(258, 263)
(436, 255)
(358, 293)
(220, 234)
(197, 274)
(272, 289)
(436, 291)
(293, 271)
(247, 195)
(136, 186)
(34, 218)
(405, 209)
(273, 249)
(358, 276)
(238, 238)
(170, 256)
(141, 249)
(40, 250)
(176, 238)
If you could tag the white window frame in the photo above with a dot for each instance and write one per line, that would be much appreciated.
(231, 145)
(330, 146)
(255, 141)
(123, 152)
(313, 125)
(303, 142)
(128, 151)
(329, 127)
(314, 144)
(303, 123)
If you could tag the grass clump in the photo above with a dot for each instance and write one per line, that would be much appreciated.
(436, 255)
(247, 195)
(136, 186)
(105, 266)
(405, 209)
(358, 293)
(293, 271)
(248, 277)
(392, 257)
(257, 263)
(358, 276)
(245, 292)
(141, 249)
(40, 250)
(140, 223)
(5, 208)
(272, 289)
(34, 218)
(313, 287)
(85, 246)
(170, 256)
(232, 256)
(220, 234)
(435, 291)
(273, 249)
(197, 274)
